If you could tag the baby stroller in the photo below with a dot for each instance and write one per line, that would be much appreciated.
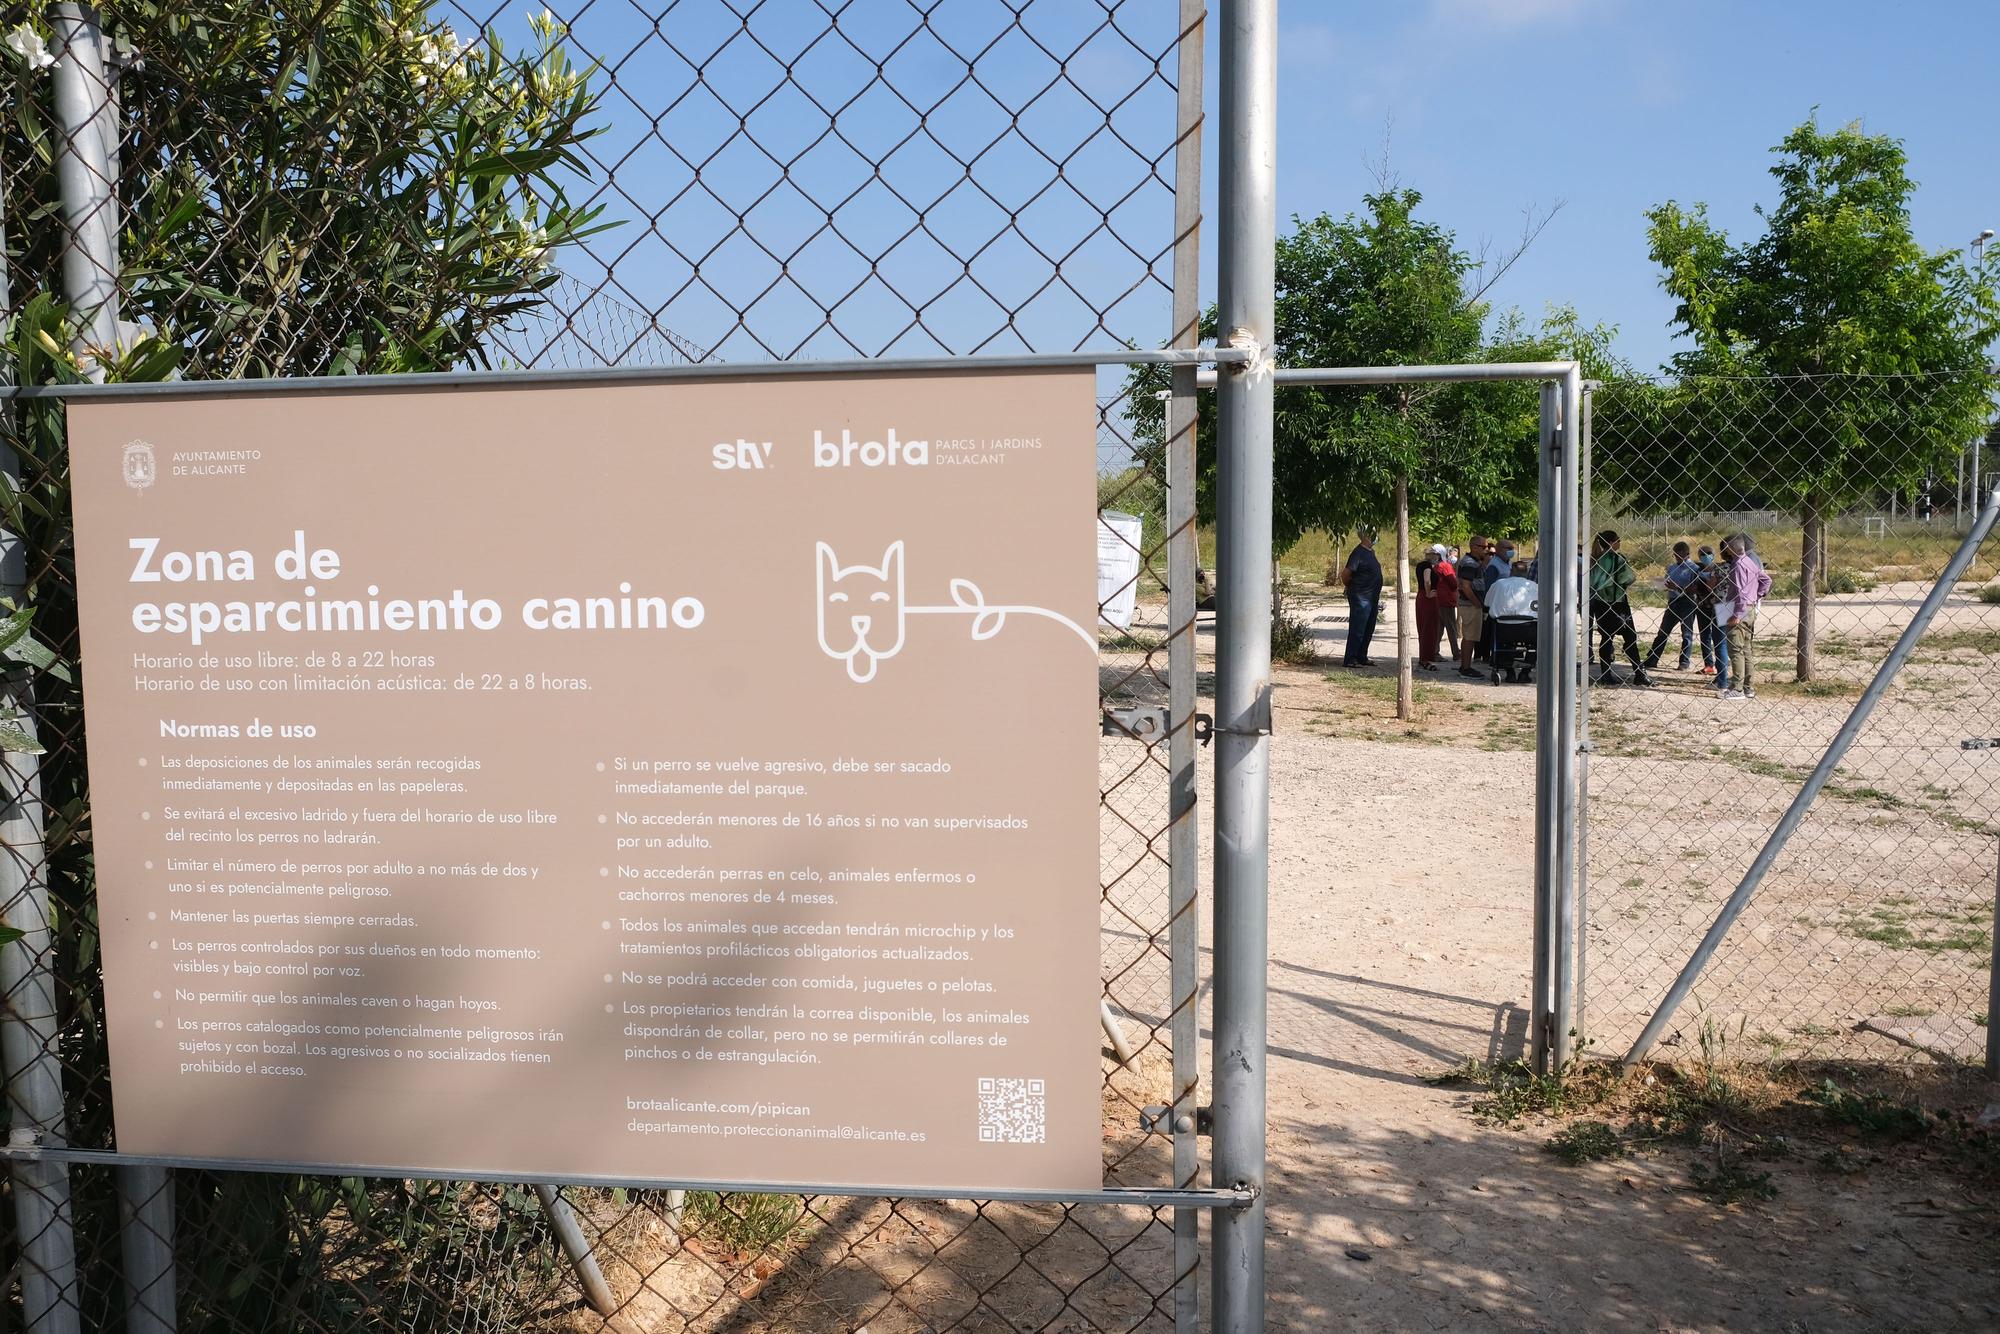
(1514, 607)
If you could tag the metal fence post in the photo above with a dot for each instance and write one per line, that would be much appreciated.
(87, 169)
(1183, 835)
(1835, 751)
(1247, 231)
(43, 1218)
(1552, 569)
(562, 1219)
(1993, 982)
(43, 1222)
(1573, 665)
(87, 178)
(1580, 993)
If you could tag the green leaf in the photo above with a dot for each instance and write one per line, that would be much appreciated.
(17, 742)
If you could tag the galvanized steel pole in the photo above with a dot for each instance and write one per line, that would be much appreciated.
(1582, 877)
(86, 176)
(1183, 556)
(1993, 982)
(1247, 209)
(1835, 752)
(1573, 664)
(574, 1245)
(29, 1061)
(1553, 565)
(87, 171)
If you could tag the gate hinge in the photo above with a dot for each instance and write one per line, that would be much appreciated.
(1204, 728)
(1144, 722)
(1161, 1120)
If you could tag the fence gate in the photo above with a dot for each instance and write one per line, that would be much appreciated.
(392, 186)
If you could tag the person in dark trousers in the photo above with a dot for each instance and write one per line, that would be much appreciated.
(1447, 599)
(1683, 613)
(1715, 584)
(1361, 577)
(1499, 565)
(1706, 577)
(1471, 609)
(1429, 626)
(1611, 580)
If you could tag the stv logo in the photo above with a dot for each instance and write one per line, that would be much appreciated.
(139, 468)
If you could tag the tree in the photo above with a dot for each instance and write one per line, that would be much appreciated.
(1838, 287)
(1379, 289)
(317, 189)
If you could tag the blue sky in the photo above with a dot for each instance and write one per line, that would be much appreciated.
(770, 173)
(1493, 106)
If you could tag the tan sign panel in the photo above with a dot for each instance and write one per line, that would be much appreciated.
(689, 781)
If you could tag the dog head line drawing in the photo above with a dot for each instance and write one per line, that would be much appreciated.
(861, 610)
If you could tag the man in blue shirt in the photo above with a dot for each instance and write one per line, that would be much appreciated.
(1499, 565)
(1682, 610)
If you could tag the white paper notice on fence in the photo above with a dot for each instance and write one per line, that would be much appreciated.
(1118, 539)
(601, 780)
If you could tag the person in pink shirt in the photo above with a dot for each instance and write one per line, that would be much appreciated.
(1743, 586)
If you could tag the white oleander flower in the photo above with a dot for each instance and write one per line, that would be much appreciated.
(26, 43)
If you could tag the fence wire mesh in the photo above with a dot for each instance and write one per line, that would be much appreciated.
(1871, 937)
(223, 189)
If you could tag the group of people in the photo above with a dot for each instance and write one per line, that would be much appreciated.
(1712, 602)
(1453, 593)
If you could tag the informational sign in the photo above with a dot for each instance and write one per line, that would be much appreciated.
(1118, 542)
(689, 781)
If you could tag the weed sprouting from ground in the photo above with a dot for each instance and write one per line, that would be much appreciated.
(1870, 1113)
(1585, 1142)
(1291, 636)
(1512, 1091)
(1730, 1181)
(1739, 1116)
(743, 1223)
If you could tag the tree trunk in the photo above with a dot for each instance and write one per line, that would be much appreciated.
(1406, 686)
(1812, 541)
(1825, 559)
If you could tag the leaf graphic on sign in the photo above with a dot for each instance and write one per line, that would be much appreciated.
(986, 621)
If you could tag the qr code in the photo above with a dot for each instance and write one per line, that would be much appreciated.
(1013, 1111)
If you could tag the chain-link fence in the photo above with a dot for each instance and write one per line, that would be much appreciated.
(1871, 936)
(220, 189)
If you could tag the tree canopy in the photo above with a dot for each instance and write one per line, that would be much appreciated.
(344, 186)
(1832, 356)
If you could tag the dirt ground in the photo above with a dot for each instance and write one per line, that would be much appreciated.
(1401, 915)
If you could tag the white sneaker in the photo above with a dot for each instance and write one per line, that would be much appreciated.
(1729, 694)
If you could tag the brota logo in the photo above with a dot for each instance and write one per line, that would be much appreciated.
(847, 452)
